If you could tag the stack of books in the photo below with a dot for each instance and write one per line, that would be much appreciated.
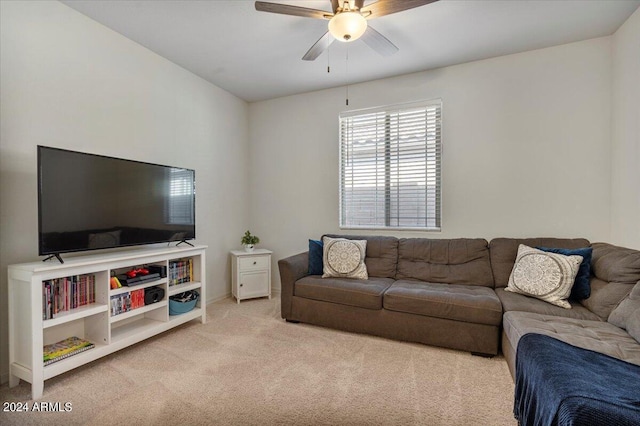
(65, 348)
(63, 294)
(125, 302)
(180, 271)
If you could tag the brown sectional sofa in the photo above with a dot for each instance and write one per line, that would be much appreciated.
(450, 293)
(615, 271)
(438, 292)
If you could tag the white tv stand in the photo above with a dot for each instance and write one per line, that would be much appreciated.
(28, 332)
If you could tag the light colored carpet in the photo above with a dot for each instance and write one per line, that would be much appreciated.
(247, 366)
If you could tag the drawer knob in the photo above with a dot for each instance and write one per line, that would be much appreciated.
(255, 262)
(241, 285)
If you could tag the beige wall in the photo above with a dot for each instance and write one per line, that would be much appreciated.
(526, 149)
(625, 125)
(69, 82)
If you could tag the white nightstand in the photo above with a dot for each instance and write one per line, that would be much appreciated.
(250, 274)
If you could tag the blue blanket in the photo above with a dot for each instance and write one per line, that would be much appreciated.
(560, 384)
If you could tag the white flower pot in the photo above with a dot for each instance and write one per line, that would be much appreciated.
(248, 248)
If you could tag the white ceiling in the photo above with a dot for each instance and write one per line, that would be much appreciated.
(257, 55)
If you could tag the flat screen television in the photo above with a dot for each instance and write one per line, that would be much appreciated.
(88, 202)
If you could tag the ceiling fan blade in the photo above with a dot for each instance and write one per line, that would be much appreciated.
(378, 42)
(387, 7)
(319, 47)
(285, 9)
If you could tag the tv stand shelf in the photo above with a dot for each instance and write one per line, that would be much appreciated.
(124, 289)
(29, 332)
(138, 311)
(74, 314)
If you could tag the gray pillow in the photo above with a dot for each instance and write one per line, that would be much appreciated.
(629, 305)
(633, 325)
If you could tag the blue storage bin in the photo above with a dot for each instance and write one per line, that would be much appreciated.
(177, 306)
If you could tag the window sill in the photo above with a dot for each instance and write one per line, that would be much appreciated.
(390, 228)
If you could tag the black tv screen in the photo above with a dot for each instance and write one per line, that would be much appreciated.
(88, 202)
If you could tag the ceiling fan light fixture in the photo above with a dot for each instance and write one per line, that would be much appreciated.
(347, 26)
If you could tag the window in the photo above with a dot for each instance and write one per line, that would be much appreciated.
(390, 167)
(179, 210)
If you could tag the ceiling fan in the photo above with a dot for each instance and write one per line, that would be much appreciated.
(347, 22)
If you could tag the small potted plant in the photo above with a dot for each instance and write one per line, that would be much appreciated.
(249, 241)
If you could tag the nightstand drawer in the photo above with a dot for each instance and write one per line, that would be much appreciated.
(253, 263)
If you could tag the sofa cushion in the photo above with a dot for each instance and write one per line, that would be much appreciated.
(545, 276)
(504, 251)
(473, 304)
(605, 297)
(597, 336)
(616, 270)
(519, 302)
(621, 314)
(343, 258)
(616, 264)
(382, 254)
(581, 288)
(456, 261)
(345, 291)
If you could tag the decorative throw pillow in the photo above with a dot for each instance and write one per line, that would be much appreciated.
(545, 276)
(621, 314)
(315, 257)
(344, 258)
(104, 239)
(582, 285)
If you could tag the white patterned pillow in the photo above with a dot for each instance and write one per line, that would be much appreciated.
(545, 276)
(344, 258)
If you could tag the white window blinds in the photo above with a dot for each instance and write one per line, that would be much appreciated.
(390, 167)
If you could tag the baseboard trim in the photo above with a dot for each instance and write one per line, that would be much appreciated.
(219, 298)
(275, 292)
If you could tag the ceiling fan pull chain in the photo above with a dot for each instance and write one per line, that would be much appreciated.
(347, 74)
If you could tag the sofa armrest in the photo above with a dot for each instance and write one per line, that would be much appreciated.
(291, 270)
